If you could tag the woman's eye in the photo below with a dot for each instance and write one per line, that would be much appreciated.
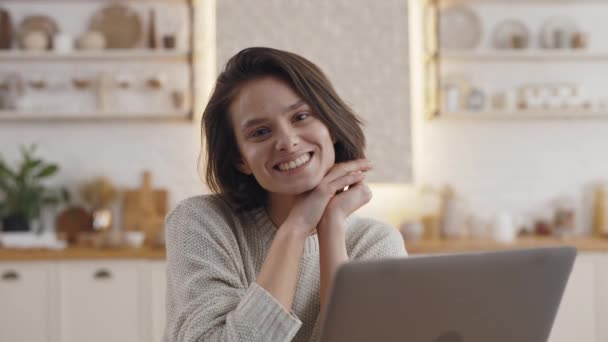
(301, 116)
(260, 132)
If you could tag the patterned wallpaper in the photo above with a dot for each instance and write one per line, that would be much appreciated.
(361, 45)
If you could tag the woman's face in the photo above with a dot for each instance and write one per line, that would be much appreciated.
(282, 142)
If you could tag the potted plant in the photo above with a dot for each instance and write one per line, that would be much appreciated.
(22, 192)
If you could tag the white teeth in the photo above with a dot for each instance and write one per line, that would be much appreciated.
(294, 163)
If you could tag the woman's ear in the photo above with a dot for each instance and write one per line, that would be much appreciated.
(242, 166)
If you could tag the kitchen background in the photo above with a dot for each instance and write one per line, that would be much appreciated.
(512, 164)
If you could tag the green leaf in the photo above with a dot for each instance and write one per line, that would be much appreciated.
(47, 171)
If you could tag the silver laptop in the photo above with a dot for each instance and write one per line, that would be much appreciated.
(477, 297)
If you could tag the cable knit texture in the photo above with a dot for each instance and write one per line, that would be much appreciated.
(213, 257)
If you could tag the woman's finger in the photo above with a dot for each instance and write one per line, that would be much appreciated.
(349, 179)
(341, 169)
(354, 198)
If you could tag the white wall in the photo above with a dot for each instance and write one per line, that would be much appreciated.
(362, 45)
(119, 151)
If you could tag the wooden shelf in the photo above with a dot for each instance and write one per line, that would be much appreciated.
(94, 116)
(136, 55)
(516, 115)
(144, 1)
(522, 56)
(518, 2)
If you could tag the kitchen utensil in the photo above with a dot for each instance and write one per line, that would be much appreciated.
(459, 28)
(35, 41)
(580, 40)
(600, 211)
(502, 228)
(6, 30)
(81, 83)
(38, 23)
(511, 34)
(73, 221)
(123, 81)
(152, 29)
(63, 43)
(476, 100)
(144, 209)
(178, 97)
(120, 25)
(451, 98)
(169, 41)
(92, 40)
(155, 82)
(557, 32)
(135, 239)
(499, 101)
(411, 231)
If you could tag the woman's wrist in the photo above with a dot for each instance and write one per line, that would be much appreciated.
(332, 221)
(293, 232)
(332, 230)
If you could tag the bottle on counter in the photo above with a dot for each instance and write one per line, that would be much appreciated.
(600, 221)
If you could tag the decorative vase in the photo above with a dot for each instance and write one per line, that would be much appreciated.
(15, 223)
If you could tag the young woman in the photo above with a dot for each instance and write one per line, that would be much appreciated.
(255, 261)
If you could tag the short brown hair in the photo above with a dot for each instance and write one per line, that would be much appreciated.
(242, 191)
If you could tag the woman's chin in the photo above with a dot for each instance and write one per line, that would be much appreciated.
(295, 189)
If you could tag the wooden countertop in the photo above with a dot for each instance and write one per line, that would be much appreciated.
(81, 253)
(583, 244)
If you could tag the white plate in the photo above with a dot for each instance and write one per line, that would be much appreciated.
(459, 28)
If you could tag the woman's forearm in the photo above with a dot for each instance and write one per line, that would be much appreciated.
(279, 272)
(332, 250)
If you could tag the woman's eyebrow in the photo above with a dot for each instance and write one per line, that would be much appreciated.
(257, 121)
(252, 122)
(296, 105)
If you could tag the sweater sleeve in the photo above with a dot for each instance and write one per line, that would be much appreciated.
(372, 239)
(208, 296)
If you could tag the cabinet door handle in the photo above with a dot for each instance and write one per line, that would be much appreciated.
(102, 274)
(10, 275)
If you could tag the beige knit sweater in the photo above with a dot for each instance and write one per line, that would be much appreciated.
(213, 257)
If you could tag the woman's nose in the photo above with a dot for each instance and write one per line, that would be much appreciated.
(287, 139)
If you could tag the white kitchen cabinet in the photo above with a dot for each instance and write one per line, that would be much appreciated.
(601, 297)
(158, 285)
(25, 301)
(100, 301)
(576, 318)
(125, 301)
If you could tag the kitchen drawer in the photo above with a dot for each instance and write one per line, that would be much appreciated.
(100, 301)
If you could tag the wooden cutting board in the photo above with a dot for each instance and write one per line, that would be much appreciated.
(144, 209)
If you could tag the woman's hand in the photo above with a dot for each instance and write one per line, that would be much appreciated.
(346, 202)
(308, 211)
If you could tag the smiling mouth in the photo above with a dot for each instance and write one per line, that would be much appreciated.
(294, 164)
